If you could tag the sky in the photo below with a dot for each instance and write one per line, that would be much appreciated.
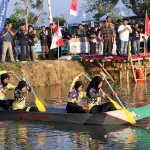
(58, 7)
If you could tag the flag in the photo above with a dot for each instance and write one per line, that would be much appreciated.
(73, 8)
(3, 10)
(50, 12)
(57, 38)
(147, 25)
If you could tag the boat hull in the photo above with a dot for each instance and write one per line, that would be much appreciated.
(60, 115)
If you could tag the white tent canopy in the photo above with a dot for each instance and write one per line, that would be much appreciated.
(123, 11)
(81, 17)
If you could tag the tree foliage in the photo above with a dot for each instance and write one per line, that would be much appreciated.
(23, 12)
(61, 20)
(101, 7)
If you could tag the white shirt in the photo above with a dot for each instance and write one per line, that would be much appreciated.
(124, 36)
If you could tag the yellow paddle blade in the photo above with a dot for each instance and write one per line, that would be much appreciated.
(39, 105)
(129, 116)
(115, 104)
(42, 102)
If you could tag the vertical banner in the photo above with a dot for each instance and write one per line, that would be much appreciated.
(50, 12)
(3, 10)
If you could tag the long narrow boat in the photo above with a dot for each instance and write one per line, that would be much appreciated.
(60, 115)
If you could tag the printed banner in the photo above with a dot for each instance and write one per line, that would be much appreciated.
(3, 10)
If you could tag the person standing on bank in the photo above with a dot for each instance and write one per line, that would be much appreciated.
(75, 96)
(30, 37)
(7, 43)
(93, 40)
(95, 97)
(23, 43)
(4, 86)
(50, 34)
(43, 39)
(124, 31)
(107, 39)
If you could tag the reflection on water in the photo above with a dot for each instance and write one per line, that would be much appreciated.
(25, 135)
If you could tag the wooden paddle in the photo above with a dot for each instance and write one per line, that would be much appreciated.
(126, 112)
(38, 102)
(114, 102)
(31, 91)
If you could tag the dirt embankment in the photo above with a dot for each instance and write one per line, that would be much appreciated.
(44, 73)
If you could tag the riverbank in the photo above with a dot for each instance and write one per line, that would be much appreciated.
(50, 72)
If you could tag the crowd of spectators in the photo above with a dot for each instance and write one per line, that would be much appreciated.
(106, 35)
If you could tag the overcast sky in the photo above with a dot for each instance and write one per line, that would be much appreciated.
(58, 6)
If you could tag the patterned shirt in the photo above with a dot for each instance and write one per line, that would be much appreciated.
(74, 95)
(20, 99)
(107, 33)
(94, 98)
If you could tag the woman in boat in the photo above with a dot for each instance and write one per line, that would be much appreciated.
(75, 96)
(4, 86)
(20, 94)
(94, 97)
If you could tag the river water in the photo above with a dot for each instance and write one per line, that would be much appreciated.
(29, 135)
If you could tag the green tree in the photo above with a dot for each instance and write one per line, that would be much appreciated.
(22, 9)
(61, 20)
(39, 7)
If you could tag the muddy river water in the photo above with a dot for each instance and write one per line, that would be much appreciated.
(29, 135)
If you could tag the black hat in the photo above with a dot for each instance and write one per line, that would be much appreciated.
(119, 20)
(125, 19)
(21, 85)
(78, 84)
(3, 77)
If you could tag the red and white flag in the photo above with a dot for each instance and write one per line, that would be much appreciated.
(50, 12)
(73, 8)
(57, 38)
(147, 25)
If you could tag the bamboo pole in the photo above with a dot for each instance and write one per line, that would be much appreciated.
(58, 54)
(68, 16)
(145, 34)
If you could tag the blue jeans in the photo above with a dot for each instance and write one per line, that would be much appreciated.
(132, 45)
(123, 48)
(137, 46)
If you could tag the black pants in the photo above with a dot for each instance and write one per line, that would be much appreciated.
(107, 47)
(74, 108)
(109, 106)
(92, 48)
(51, 54)
(6, 103)
(35, 109)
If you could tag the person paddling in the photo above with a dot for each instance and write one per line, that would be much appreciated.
(4, 86)
(94, 97)
(20, 93)
(75, 96)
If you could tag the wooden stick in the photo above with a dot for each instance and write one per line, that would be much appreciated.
(106, 72)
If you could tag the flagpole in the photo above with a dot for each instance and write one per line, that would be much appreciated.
(58, 53)
(50, 13)
(69, 16)
(145, 33)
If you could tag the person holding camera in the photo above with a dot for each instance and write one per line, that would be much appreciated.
(30, 37)
(7, 42)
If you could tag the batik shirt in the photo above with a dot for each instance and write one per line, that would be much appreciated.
(94, 98)
(20, 99)
(4, 89)
(74, 95)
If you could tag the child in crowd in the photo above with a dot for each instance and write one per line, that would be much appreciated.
(94, 97)
(75, 96)
(20, 94)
